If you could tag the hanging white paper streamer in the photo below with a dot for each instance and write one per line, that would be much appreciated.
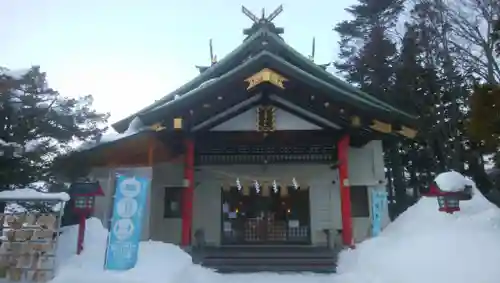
(275, 186)
(257, 186)
(238, 184)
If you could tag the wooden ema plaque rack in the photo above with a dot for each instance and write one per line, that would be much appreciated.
(28, 250)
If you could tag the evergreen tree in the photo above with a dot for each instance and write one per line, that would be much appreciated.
(367, 59)
(38, 124)
(367, 52)
(421, 74)
(410, 73)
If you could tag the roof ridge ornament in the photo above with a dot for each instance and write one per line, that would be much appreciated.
(263, 21)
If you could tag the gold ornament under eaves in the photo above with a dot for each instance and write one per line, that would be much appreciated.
(266, 75)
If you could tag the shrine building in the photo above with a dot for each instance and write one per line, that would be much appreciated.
(264, 148)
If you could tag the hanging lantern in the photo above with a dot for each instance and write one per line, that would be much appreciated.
(449, 201)
(295, 184)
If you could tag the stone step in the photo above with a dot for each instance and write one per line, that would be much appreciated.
(266, 259)
(273, 268)
(269, 261)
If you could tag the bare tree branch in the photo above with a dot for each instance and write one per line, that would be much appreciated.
(471, 24)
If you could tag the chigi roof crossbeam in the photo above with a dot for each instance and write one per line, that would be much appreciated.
(263, 21)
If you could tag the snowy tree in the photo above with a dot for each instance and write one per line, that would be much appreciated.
(496, 35)
(38, 124)
(366, 59)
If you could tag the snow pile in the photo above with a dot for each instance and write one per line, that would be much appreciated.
(109, 136)
(157, 261)
(424, 245)
(31, 194)
(452, 182)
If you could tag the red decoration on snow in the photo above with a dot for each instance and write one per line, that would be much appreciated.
(83, 195)
(449, 202)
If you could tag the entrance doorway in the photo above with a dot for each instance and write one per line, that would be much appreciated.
(276, 217)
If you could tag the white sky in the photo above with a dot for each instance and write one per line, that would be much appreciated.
(129, 53)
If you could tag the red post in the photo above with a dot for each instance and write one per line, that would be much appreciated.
(81, 233)
(188, 192)
(345, 195)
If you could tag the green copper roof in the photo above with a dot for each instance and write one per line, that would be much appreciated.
(264, 39)
(334, 80)
(264, 58)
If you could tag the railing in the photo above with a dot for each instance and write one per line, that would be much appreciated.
(255, 231)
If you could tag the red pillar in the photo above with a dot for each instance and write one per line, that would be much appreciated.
(345, 196)
(82, 221)
(188, 192)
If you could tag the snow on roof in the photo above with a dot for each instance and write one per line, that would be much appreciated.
(177, 96)
(135, 126)
(452, 181)
(207, 82)
(109, 136)
(30, 194)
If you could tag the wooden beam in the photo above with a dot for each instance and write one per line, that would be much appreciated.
(408, 132)
(177, 123)
(302, 113)
(228, 113)
(380, 126)
(157, 127)
(356, 121)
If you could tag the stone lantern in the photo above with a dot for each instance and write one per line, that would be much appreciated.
(450, 188)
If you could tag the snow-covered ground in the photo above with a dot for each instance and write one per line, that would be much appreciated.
(422, 245)
(158, 263)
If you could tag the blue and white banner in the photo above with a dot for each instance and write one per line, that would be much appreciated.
(126, 222)
(379, 204)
